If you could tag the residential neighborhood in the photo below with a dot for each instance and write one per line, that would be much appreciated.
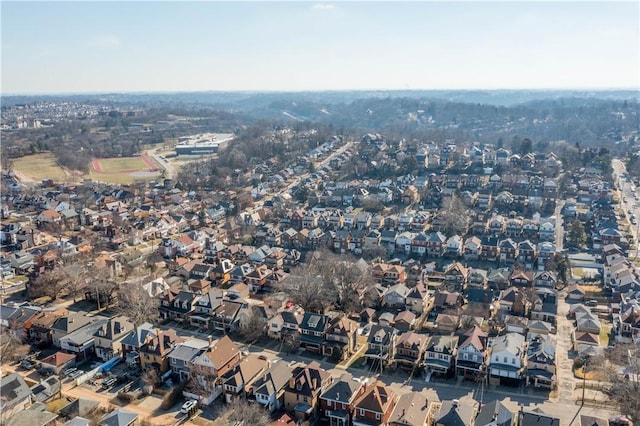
(475, 292)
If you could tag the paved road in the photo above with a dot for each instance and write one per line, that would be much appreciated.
(626, 192)
(559, 226)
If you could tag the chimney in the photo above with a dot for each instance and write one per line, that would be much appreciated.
(210, 340)
(314, 382)
(455, 403)
(426, 402)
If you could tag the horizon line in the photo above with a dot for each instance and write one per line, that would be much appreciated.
(273, 91)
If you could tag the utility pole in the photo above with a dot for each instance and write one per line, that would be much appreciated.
(584, 378)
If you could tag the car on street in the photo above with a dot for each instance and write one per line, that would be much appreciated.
(188, 406)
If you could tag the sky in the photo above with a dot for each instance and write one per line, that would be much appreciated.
(97, 47)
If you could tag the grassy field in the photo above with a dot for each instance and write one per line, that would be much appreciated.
(39, 166)
(123, 164)
(124, 170)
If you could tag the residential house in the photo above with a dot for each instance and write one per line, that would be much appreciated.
(133, 341)
(182, 355)
(409, 350)
(283, 324)
(238, 379)
(268, 389)
(58, 362)
(527, 253)
(304, 388)
(374, 405)
(419, 299)
(313, 328)
(226, 315)
(495, 413)
(108, 338)
(65, 324)
(521, 279)
(455, 413)
(541, 362)
(506, 362)
(119, 417)
(472, 354)
(456, 275)
(81, 342)
(340, 338)
(205, 306)
(472, 248)
(16, 395)
(395, 296)
(545, 279)
(381, 345)
(337, 402)
(213, 361)
(508, 251)
(412, 409)
(154, 351)
(177, 306)
(436, 244)
(440, 354)
(536, 417)
(490, 249)
(36, 415)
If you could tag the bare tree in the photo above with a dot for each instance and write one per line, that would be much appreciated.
(12, 348)
(75, 276)
(255, 326)
(50, 283)
(625, 379)
(135, 303)
(347, 280)
(456, 216)
(242, 412)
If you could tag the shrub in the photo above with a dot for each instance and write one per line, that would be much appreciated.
(172, 397)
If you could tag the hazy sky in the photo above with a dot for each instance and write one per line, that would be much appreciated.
(176, 46)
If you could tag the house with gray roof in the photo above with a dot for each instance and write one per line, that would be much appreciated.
(81, 342)
(15, 395)
(119, 417)
(36, 415)
(495, 413)
(336, 403)
(455, 413)
(134, 340)
(268, 389)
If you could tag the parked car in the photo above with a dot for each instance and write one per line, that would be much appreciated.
(591, 303)
(26, 364)
(45, 372)
(109, 381)
(69, 371)
(188, 406)
(76, 373)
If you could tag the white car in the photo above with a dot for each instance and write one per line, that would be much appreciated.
(188, 406)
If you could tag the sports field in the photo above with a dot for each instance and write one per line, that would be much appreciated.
(124, 170)
(38, 167)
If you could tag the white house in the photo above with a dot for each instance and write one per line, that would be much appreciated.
(506, 362)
